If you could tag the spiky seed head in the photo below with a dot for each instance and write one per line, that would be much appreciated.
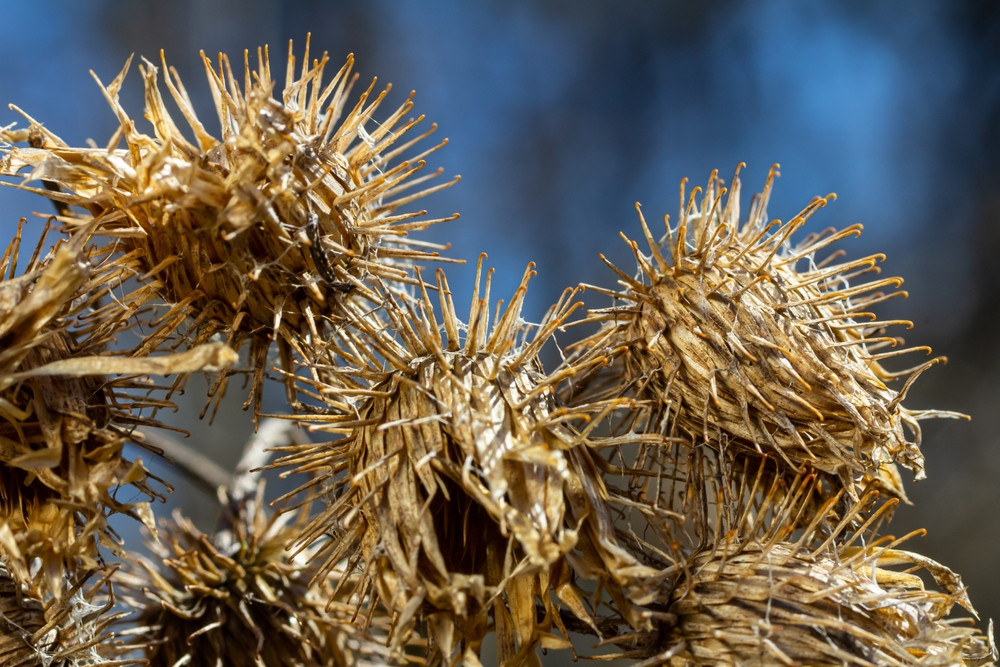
(463, 481)
(749, 340)
(234, 598)
(779, 585)
(258, 234)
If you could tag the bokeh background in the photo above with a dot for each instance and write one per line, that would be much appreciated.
(562, 114)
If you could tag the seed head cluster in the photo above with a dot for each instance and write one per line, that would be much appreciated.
(701, 477)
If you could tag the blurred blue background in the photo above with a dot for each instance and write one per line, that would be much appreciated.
(562, 114)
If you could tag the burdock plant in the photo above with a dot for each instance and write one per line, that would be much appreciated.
(695, 481)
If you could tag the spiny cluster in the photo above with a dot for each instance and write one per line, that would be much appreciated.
(817, 599)
(694, 483)
(744, 339)
(262, 232)
(258, 236)
(461, 484)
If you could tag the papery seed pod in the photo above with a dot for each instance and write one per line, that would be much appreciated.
(259, 234)
(65, 418)
(463, 486)
(742, 338)
(71, 630)
(233, 598)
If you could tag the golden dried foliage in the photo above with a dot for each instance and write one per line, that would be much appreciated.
(695, 483)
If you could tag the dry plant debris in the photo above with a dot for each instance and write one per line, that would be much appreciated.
(695, 482)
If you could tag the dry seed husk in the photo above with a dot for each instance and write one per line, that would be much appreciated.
(234, 598)
(784, 604)
(474, 501)
(257, 235)
(65, 418)
(745, 339)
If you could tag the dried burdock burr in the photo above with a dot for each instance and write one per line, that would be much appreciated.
(742, 337)
(234, 597)
(461, 488)
(259, 234)
(792, 596)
